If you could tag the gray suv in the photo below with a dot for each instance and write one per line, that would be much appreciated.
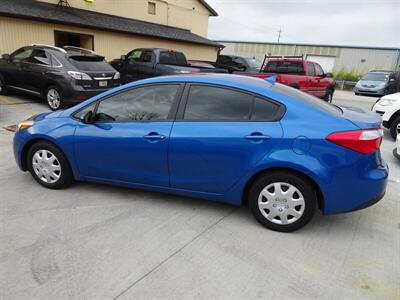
(377, 83)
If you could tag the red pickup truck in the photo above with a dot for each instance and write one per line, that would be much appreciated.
(299, 73)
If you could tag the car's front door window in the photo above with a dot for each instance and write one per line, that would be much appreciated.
(135, 55)
(149, 103)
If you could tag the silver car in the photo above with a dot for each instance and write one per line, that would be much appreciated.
(377, 83)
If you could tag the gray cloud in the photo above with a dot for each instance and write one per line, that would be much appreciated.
(366, 23)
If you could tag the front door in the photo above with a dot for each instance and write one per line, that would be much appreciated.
(129, 141)
(13, 73)
(221, 136)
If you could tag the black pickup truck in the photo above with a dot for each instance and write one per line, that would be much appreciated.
(150, 62)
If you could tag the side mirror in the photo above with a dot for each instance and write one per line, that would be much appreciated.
(88, 118)
(6, 57)
(329, 75)
(123, 57)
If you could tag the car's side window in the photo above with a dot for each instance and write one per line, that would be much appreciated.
(146, 56)
(310, 69)
(148, 103)
(217, 103)
(21, 55)
(135, 55)
(40, 57)
(320, 72)
(264, 110)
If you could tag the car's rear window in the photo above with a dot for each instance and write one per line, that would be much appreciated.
(90, 63)
(172, 58)
(285, 67)
(307, 98)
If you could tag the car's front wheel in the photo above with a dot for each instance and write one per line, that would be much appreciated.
(329, 96)
(282, 201)
(54, 98)
(393, 127)
(48, 166)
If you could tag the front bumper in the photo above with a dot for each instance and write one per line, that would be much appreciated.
(365, 91)
(18, 143)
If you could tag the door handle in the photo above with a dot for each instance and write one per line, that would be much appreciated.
(257, 136)
(154, 136)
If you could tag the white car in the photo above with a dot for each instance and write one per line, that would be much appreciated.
(396, 151)
(389, 108)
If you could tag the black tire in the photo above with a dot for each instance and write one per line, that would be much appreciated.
(54, 98)
(282, 178)
(329, 96)
(393, 127)
(357, 94)
(3, 88)
(65, 175)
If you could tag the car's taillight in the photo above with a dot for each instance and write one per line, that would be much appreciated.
(79, 75)
(362, 141)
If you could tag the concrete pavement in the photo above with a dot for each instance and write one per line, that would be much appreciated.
(94, 241)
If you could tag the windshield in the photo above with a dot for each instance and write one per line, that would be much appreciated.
(253, 62)
(376, 77)
(91, 63)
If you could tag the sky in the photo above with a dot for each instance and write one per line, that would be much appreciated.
(333, 22)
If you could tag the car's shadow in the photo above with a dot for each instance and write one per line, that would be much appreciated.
(320, 223)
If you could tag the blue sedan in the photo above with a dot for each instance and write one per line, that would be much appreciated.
(226, 138)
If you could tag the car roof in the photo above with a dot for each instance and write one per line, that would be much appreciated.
(231, 80)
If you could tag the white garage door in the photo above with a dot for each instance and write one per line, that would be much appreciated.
(327, 62)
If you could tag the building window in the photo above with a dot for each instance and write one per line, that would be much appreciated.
(151, 8)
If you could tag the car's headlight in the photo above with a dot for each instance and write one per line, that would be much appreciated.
(117, 76)
(386, 102)
(25, 124)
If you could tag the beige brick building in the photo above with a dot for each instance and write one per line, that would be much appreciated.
(110, 27)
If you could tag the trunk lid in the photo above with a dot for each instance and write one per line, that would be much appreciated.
(361, 118)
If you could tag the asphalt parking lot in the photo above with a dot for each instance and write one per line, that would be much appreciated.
(93, 241)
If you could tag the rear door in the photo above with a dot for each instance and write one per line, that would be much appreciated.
(35, 70)
(219, 135)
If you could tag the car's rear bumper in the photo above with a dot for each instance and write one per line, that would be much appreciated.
(76, 94)
(357, 186)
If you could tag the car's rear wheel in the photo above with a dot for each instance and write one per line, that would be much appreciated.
(393, 127)
(48, 166)
(282, 201)
(54, 98)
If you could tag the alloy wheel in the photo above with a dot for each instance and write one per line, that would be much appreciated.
(46, 166)
(53, 98)
(281, 203)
